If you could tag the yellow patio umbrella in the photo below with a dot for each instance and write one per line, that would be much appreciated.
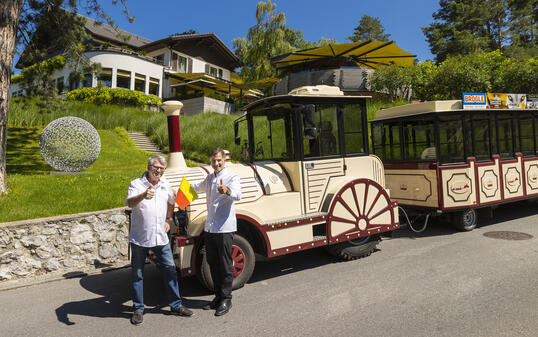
(369, 54)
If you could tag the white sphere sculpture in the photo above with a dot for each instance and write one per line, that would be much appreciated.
(70, 144)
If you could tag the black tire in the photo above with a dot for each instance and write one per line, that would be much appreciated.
(354, 249)
(246, 254)
(466, 220)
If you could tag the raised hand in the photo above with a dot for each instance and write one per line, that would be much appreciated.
(221, 188)
(149, 193)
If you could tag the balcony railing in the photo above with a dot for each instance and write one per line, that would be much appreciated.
(126, 52)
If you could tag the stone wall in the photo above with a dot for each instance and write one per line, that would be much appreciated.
(63, 245)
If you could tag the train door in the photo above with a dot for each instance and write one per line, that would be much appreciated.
(322, 153)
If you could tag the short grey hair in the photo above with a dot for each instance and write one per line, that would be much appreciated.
(159, 158)
(218, 150)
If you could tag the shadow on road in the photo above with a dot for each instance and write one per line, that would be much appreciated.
(114, 287)
(441, 225)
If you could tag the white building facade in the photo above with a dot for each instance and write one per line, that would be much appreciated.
(151, 67)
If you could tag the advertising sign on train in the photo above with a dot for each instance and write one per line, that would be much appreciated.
(474, 100)
(506, 101)
(532, 101)
(496, 101)
(516, 101)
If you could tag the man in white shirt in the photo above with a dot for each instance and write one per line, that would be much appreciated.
(152, 201)
(222, 188)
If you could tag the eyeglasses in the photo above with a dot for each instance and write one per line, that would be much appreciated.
(158, 168)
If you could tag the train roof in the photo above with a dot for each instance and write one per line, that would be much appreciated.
(427, 107)
(418, 108)
(317, 94)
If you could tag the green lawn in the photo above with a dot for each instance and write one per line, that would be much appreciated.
(34, 192)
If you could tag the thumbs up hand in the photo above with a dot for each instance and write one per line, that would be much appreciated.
(149, 193)
(222, 189)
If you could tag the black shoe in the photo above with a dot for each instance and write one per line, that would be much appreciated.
(212, 305)
(137, 318)
(181, 311)
(223, 307)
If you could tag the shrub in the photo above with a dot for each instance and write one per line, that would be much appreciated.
(122, 97)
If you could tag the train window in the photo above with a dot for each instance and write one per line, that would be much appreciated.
(273, 136)
(353, 132)
(483, 135)
(378, 140)
(526, 134)
(451, 139)
(386, 141)
(418, 137)
(504, 135)
(536, 130)
(325, 142)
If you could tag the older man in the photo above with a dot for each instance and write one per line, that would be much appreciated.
(152, 201)
(222, 188)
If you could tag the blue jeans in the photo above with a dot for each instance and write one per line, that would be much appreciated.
(168, 269)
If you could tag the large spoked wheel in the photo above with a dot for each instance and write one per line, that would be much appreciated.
(354, 249)
(465, 221)
(359, 212)
(243, 264)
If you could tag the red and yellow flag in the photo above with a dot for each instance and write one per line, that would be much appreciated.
(185, 194)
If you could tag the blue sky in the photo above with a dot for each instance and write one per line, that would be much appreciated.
(231, 19)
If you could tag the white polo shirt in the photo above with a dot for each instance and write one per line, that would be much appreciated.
(149, 216)
(220, 207)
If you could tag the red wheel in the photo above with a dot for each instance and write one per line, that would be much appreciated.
(239, 260)
(361, 208)
(243, 259)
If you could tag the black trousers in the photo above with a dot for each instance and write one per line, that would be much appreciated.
(218, 247)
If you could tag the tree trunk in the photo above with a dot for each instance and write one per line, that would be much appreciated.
(9, 19)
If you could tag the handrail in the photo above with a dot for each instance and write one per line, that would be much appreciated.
(149, 126)
(125, 51)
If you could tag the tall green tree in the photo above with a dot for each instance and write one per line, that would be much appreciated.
(269, 37)
(17, 25)
(394, 80)
(467, 26)
(523, 28)
(369, 28)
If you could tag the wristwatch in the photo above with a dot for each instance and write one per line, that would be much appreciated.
(228, 192)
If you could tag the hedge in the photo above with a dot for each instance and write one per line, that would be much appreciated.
(122, 97)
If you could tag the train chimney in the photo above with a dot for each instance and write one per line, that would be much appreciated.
(175, 158)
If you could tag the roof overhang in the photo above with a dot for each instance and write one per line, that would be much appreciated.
(193, 42)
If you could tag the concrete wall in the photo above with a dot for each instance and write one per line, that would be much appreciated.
(63, 245)
(204, 104)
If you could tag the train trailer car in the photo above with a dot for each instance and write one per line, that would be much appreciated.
(307, 180)
(440, 158)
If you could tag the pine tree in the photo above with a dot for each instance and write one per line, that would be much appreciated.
(369, 28)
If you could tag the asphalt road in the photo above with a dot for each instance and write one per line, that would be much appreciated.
(437, 283)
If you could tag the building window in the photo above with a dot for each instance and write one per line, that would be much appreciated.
(123, 79)
(154, 86)
(160, 59)
(213, 71)
(181, 64)
(105, 78)
(87, 81)
(140, 82)
(220, 73)
(73, 83)
(60, 84)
